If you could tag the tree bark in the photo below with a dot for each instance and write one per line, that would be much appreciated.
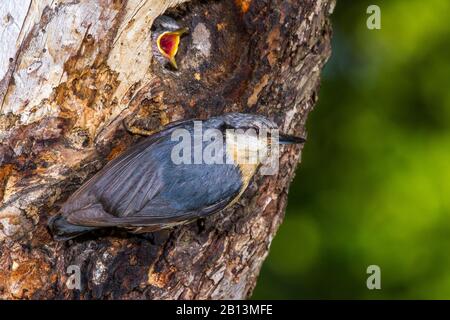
(72, 71)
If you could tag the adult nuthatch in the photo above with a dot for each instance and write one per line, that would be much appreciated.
(165, 40)
(145, 190)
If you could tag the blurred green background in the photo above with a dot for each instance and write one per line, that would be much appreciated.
(374, 183)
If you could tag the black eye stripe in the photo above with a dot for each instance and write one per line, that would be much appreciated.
(226, 126)
(241, 129)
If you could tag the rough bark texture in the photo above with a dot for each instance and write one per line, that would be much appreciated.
(71, 71)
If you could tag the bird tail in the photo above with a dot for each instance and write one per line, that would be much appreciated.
(63, 230)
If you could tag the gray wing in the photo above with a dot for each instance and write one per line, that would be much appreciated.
(144, 187)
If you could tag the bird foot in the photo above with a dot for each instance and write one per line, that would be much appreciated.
(136, 130)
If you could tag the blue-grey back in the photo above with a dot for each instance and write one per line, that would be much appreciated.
(144, 181)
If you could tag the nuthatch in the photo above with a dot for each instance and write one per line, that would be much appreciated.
(145, 190)
(165, 40)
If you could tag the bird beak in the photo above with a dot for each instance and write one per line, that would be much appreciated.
(168, 44)
(173, 62)
(181, 31)
(288, 139)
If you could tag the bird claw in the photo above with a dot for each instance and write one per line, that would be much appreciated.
(135, 130)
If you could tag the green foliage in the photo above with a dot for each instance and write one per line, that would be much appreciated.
(374, 184)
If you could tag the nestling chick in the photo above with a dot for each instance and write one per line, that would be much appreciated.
(148, 188)
(166, 39)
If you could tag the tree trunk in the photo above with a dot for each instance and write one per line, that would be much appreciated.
(72, 71)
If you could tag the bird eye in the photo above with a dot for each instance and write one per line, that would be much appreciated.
(225, 126)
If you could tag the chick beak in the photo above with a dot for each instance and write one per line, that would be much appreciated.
(288, 139)
(168, 44)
